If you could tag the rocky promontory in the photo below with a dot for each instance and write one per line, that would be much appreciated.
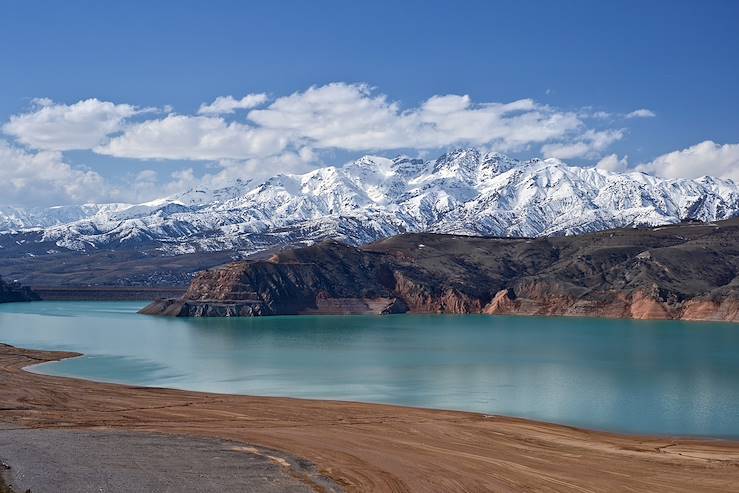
(685, 271)
(14, 291)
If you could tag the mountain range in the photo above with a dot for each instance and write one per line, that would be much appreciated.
(465, 191)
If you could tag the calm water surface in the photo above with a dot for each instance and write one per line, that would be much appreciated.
(642, 377)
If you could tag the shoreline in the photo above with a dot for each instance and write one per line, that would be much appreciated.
(175, 307)
(146, 302)
(75, 355)
(374, 447)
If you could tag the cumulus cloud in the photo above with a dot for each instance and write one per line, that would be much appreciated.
(613, 163)
(589, 144)
(347, 117)
(350, 117)
(43, 178)
(706, 158)
(61, 127)
(228, 104)
(641, 113)
(195, 138)
(353, 117)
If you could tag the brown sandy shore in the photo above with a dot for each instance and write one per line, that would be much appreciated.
(369, 447)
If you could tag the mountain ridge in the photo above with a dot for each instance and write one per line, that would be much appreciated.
(687, 271)
(465, 191)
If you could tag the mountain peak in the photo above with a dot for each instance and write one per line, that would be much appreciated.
(407, 166)
(498, 163)
(462, 163)
(370, 163)
(464, 191)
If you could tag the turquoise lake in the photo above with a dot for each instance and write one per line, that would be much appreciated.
(674, 378)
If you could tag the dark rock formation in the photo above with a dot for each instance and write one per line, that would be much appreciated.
(14, 291)
(686, 271)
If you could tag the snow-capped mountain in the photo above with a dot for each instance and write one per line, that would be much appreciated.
(15, 218)
(464, 192)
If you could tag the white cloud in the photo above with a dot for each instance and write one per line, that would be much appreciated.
(193, 137)
(62, 127)
(706, 158)
(353, 117)
(613, 163)
(43, 178)
(601, 115)
(228, 104)
(589, 144)
(446, 104)
(641, 113)
(350, 117)
(335, 115)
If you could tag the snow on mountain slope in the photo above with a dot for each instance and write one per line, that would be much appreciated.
(13, 218)
(464, 191)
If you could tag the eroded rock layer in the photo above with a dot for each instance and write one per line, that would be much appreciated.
(687, 271)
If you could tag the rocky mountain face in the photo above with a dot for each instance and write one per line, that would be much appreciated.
(13, 291)
(688, 271)
(462, 192)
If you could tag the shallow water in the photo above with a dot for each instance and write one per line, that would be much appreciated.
(675, 378)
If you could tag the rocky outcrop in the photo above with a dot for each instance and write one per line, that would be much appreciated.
(421, 297)
(686, 271)
(204, 308)
(13, 291)
(330, 278)
(640, 305)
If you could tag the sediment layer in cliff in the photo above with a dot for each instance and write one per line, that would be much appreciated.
(686, 271)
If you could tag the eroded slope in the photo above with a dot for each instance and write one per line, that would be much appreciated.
(686, 271)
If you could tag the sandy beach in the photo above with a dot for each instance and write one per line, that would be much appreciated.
(369, 447)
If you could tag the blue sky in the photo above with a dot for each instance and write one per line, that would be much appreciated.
(677, 59)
